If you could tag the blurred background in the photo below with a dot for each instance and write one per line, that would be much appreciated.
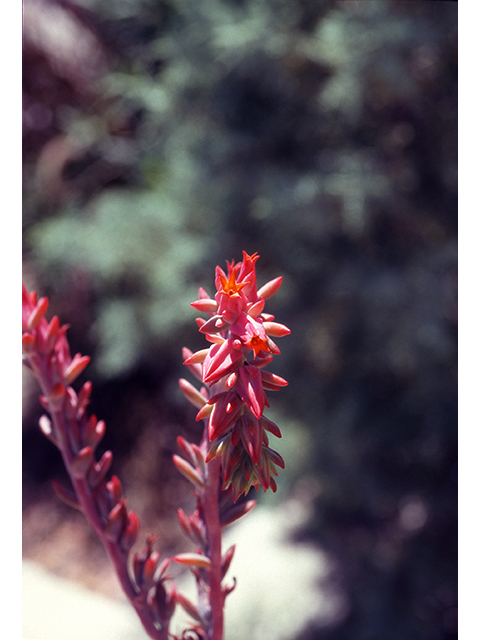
(162, 137)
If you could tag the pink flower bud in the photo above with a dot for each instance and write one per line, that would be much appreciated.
(188, 471)
(116, 522)
(227, 559)
(270, 288)
(270, 426)
(256, 308)
(206, 305)
(184, 523)
(75, 368)
(198, 531)
(273, 380)
(83, 397)
(82, 462)
(94, 431)
(46, 428)
(100, 469)
(114, 488)
(130, 533)
(150, 567)
(193, 560)
(197, 358)
(276, 329)
(191, 393)
(37, 314)
(204, 412)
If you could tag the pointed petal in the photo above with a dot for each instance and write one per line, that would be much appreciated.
(221, 360)
(249, 388)
(270, 288)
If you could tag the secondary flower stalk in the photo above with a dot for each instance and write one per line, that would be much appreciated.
(46, 353)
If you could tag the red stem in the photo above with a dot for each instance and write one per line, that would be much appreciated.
(214, 539)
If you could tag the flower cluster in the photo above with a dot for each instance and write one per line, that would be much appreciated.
(240, 333)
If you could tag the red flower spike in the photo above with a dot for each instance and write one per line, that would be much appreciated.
(241, 335)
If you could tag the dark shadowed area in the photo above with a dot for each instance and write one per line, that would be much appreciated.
(163, 137)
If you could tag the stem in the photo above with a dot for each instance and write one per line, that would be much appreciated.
(117, 556)
(214, 539)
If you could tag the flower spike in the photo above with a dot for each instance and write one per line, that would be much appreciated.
(241, 336)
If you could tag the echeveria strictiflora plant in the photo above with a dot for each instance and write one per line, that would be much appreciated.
(232, 456)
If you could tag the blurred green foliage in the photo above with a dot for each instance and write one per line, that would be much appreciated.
(321, 134)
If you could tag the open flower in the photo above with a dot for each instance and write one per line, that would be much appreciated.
(232, 368)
